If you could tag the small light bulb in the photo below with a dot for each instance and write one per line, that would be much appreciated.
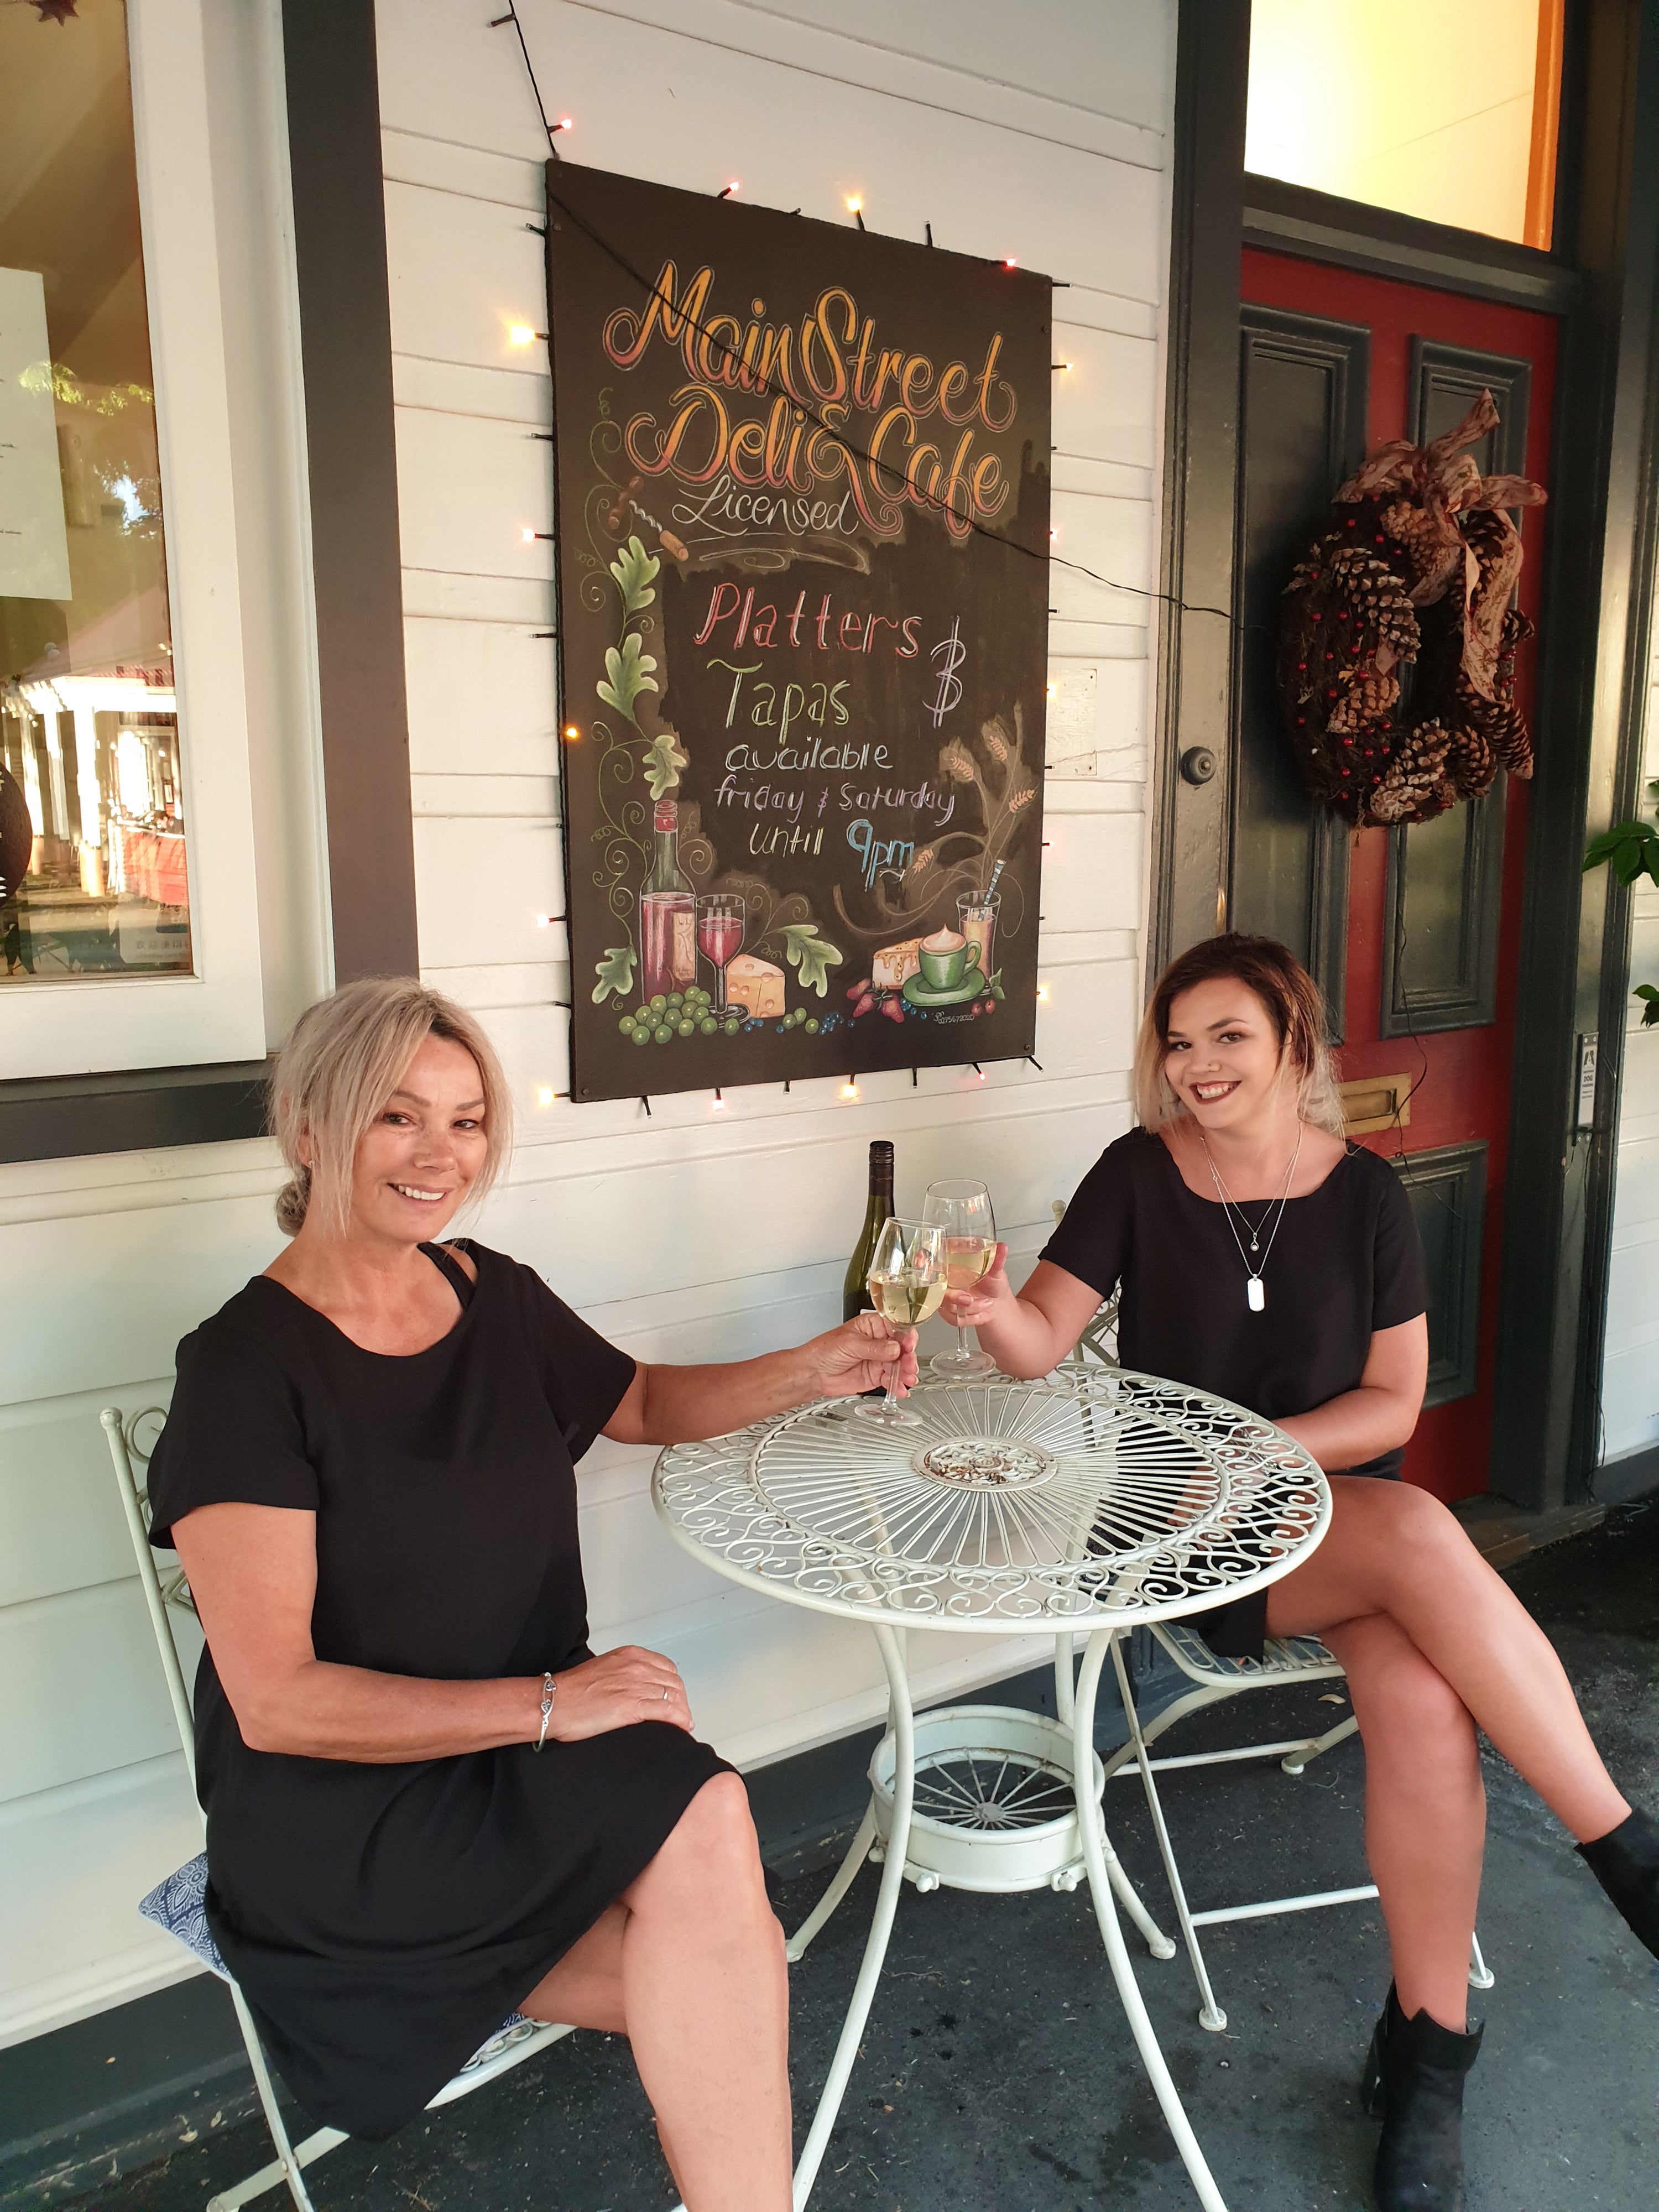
(1043, 990)
(734, 187)
(529, 537)
(566, 123)
(719, 1106)
(981, 1073)
(544, 1096)
(1054, 533)
(545, 921)
(854, 203)
(1010, 263)
(1051, 689)
(1062, 364)
(571, 731)
(849, 1091)
(521, 334)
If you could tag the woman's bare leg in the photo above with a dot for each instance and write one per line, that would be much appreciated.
(689, 1966)
(1426, 1811)
(1393, 1550)
(706, 2000)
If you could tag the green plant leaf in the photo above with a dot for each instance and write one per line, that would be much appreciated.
(627, 668)
(995, 986)
(1632, 848)
(615, 972)
(812, 955)
(1649, 996)
(634, 570)
(664, 760)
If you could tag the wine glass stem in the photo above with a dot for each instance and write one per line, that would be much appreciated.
(962, 1340)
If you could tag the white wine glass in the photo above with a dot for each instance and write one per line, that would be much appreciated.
(906, 1284)
(962, 1212)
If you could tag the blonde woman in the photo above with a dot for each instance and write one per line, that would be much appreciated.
(427, 1802)
(1259, 1256)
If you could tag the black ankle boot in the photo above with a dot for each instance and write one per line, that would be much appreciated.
(1414, 2082)
(1626, 1864)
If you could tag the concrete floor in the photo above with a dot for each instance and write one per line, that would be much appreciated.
(997, 2071)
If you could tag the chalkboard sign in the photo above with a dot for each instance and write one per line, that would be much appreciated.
(803, 539)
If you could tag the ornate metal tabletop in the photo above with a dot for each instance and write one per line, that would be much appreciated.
(1096, 1495)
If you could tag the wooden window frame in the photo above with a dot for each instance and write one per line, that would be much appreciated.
(207, 1086)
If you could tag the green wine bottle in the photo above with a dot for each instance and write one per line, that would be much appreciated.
(855, 1298)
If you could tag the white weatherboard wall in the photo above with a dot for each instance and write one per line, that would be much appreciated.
(1041, 132)
(1629, 1375)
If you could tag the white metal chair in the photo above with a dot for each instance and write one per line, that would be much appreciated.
(1213, 1677)
(177, 1903)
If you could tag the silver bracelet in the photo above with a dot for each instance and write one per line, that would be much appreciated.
(547, 1708)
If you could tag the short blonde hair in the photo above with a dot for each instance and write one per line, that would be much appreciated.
(342, 1062)
(1295, 1007)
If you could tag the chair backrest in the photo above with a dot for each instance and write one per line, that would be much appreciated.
(163, 1594)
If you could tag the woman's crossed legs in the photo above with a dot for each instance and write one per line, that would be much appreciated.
(689, 1964)
(1434, 1644)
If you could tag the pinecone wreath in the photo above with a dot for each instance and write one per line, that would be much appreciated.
(1414, 565)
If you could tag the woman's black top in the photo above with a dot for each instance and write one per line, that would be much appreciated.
(1344, 1261)
(383, 1920)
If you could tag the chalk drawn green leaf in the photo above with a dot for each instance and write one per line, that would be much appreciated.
(634, 570)
(628, 669)
(812, 955)
(664, 760)
(615, 972)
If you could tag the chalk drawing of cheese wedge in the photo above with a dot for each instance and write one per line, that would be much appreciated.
(894, 964)
(755, 984)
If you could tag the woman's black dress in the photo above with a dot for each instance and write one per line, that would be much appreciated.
(383, 1920)
(1345, 1261)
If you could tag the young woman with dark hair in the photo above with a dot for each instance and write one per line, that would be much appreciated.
(1259, 1255)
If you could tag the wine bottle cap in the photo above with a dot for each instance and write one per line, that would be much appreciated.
(881, 1148)
(667, 816)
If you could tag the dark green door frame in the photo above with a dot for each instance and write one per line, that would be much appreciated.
(1603, 278)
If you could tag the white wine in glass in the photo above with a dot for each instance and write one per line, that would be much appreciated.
(906, 1284)
(963, 1211)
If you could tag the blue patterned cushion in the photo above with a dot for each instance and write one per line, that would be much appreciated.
(179, 1905)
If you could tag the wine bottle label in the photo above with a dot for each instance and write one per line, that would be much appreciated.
(685, 947)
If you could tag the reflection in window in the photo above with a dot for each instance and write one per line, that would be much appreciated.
(1445, 112)
(93, 874)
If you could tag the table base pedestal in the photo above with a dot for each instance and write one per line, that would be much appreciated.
(991, 1798)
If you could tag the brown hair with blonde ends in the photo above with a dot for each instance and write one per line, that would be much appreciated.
(1273, 973)
(342, 1062)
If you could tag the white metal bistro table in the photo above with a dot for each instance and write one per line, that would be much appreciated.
(1094, 1501)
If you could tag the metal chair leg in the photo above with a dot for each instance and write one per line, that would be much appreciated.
(1209, 2014)
(1321, 1744)
(857, 1851)
(285, 2152)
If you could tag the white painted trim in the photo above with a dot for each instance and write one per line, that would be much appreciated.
(70, 1027)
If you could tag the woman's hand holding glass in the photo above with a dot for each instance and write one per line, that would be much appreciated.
(863, 1354)
(984, 1301)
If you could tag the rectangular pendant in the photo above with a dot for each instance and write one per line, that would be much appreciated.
(1254, 1296)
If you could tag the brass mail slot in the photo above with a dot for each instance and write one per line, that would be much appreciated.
(1376, 1101)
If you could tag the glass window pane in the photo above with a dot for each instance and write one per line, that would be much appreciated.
(1448, 112)
(93, 872)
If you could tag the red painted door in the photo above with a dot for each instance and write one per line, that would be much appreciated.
(1456, 1049)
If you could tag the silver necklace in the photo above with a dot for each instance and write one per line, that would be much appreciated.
(1255, 1294)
